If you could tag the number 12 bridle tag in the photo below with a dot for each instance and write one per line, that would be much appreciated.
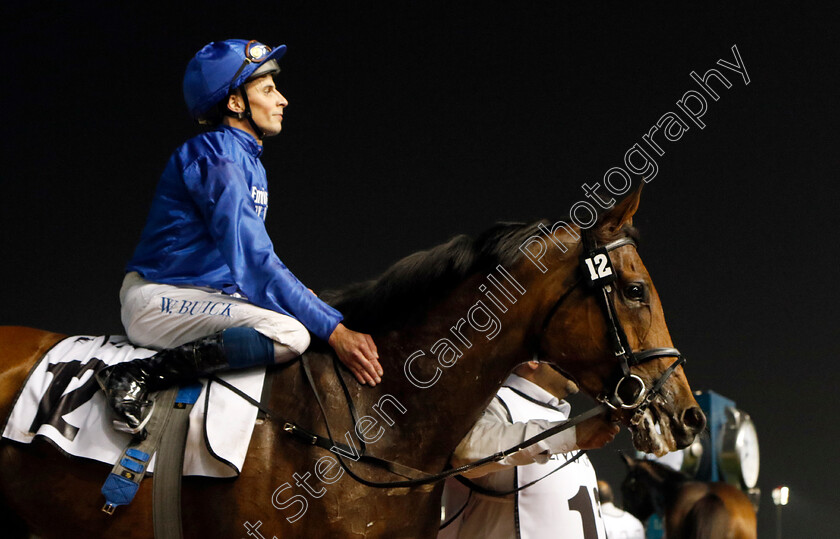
(597, 268)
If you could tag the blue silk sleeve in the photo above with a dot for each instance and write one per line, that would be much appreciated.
(220, 190)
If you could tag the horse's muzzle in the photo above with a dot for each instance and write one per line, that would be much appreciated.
(693, 422)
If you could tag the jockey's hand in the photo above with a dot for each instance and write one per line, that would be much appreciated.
(358, 353)
(596, 432)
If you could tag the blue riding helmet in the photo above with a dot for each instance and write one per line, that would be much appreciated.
(221, 67)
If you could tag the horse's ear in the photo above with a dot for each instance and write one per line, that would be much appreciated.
(630, 463)
(622, 212)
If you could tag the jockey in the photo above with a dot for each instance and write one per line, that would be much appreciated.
(204, 285)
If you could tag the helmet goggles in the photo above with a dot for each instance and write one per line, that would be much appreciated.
(255, 53)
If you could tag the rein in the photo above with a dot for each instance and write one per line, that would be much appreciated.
(426, 478)
(475, 487)
(328, 443)
(502, 493)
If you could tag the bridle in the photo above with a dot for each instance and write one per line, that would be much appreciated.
(598, 273)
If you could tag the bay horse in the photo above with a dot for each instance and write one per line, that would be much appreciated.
(691, 509)
(450, 324)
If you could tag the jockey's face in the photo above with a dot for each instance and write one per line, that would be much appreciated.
(267, 104)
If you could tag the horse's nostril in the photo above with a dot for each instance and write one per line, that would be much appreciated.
(694, 419)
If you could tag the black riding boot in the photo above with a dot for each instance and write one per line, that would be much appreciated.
(126, 385)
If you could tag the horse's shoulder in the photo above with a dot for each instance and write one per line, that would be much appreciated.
(304, 394)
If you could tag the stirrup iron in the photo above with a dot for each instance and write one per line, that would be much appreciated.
(123, 426)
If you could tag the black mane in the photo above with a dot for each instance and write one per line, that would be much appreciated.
(408, 288)
(411, 285)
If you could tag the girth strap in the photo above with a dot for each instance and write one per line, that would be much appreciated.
(169, 466)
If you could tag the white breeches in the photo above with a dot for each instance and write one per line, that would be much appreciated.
(162, 316)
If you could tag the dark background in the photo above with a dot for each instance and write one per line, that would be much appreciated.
(410, 122)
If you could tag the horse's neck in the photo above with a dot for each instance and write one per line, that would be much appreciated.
(478, 363)
(666, 488)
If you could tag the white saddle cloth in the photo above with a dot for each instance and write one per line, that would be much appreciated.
(62, 402)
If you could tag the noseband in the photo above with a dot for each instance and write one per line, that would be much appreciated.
(597, 271)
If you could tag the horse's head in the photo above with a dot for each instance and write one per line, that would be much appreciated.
(642, 490)
(603, 326)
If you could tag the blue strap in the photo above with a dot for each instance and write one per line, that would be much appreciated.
(119, 490)
(136, 454)
(188, 394)
(135, 467)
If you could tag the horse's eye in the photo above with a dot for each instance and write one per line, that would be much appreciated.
(635, 291)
